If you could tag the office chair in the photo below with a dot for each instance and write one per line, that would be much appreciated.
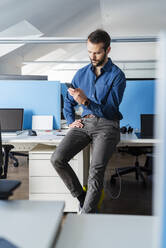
(4, 158)
(15, 160)
(136, 168)
(6, 186)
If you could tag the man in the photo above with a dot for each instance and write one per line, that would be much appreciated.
(99, 88)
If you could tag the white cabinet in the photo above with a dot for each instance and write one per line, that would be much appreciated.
(44, 182)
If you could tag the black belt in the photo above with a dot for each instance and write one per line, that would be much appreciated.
(89, 116)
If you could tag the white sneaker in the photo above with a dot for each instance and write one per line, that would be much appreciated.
(80, 210)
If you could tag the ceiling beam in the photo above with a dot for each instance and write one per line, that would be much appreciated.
(83, 62)
(63, 40)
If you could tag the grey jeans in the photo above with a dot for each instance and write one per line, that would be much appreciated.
(104, 135)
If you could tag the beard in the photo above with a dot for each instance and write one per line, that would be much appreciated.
(100, 62)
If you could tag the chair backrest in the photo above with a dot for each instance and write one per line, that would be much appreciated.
(6, 186)
(1, 154)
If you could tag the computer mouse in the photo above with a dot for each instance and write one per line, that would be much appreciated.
(32, 133)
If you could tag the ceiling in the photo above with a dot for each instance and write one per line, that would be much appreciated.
(75, 18)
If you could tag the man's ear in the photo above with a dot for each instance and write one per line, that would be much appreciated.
(108, 50)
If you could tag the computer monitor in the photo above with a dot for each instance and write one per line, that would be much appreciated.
(11, 119)
(147, 126)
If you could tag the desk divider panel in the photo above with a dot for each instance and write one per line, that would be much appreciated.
(36, 97)
(138, 99)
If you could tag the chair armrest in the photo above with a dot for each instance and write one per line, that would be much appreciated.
(7, 187)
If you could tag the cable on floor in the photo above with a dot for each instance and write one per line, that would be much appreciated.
(114, 197)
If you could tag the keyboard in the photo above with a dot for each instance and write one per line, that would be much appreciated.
(11, 133)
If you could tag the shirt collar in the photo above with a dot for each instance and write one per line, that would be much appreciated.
(106, 67)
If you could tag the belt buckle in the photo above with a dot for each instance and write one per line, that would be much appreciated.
(89, 116)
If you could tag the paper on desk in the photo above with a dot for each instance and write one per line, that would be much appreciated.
(42, 122)
(45, 137)
(49, 139)
(51, 132)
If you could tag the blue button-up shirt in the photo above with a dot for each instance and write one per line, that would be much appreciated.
(105, 92)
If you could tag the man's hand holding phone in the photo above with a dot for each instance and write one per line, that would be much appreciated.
(78, 95)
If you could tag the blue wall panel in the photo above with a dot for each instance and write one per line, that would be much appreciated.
(36, 97)
(138, 99)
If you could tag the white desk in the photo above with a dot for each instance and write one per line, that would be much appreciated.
(132, 140)
(113, 231)
(48, 139)
(23, 142)
(30, 224)
(44, 182)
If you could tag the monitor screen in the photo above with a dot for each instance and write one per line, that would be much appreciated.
(11, 120)
(147, 124)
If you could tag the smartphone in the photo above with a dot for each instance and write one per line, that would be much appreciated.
(71, 86)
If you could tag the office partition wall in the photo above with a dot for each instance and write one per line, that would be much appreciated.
(36, 97)
(138, 99)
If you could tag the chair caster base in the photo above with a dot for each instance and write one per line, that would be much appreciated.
(15, 164)
(112, 181)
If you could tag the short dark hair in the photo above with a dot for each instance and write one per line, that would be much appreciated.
(100, 36)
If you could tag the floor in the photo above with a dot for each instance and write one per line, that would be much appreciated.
(134, 197)
(127, 196)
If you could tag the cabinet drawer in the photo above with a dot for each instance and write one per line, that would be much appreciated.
(71, 203)
(45, 168)
(47, 185)
(45, 156)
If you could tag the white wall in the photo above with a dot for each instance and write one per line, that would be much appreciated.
(76, 18)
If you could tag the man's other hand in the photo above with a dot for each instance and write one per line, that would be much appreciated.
(76, 123)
